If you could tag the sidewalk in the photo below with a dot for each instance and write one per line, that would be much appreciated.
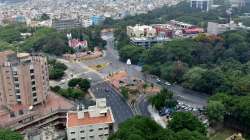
(156, 116)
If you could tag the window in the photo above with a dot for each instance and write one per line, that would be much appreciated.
(34, 94)
(106, 134)
(32, 71)
(82, 138)
(33, 82)
(14, 72)
(15, 79)
(17, 85)
(17, 90)
(100, 129)
(34, 89)
(35, 100)
(106, 128)
(82, 131)
(91, 137)
(20, 112)
(72, 133)
(32, 77)
(73, 139)
(91, 130)
(18, 97)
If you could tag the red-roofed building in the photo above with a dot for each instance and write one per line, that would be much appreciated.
(94, 123)
(77, 44)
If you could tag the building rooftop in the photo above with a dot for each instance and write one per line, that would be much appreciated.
(74, 120)
(98, 114)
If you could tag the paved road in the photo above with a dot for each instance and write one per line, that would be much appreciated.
(120, 108)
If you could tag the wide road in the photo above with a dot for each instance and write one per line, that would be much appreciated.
(120, 108)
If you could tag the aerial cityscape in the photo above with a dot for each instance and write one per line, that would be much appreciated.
(124, 70)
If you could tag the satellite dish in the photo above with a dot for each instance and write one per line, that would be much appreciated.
(31, 107)
(128, 62)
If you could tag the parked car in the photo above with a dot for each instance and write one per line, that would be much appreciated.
(167, 84)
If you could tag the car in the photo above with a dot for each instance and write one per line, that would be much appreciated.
(159, 80)
(167, 83)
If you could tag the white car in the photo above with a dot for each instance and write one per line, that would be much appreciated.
(167, 83)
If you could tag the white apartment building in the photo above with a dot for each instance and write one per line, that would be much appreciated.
(139, 31)
(204, 5)
(87, 22)
(94, 123)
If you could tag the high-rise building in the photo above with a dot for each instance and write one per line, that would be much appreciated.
(204, 5)
(94, 123)
(64, 24)
(237, 3)
(24, 79)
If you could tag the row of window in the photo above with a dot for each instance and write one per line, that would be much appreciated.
(92, 137)
(91, 130)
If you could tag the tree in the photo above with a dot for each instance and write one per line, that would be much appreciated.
(84, 84)
(10, 34)
(74, 82)
(131, 52)
(186, 120)
(193, 77)
(56, 69)
(215, 112)
(6, 134)
(163, 99)
(45, 16)
(190, 135)
(173, 72)
(124, 92)
(142, 128)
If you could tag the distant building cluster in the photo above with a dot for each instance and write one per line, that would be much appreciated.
(85, 11)
(148, 35)
(94, 123)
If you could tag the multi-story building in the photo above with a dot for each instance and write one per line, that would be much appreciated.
(237, 3)
(61, 24)
(141, 31)
(23, 79)
(147, 36)
(204, 5)
(216, 28)
(94, 123)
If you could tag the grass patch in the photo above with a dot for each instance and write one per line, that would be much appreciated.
(222, 134)
(99, 67)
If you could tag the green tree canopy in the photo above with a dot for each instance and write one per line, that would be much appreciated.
(163, 99)
(186, 120)
(6, 134)
(215, 112)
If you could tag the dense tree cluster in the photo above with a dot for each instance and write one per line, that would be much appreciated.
(208, 64)
(6, 134)
(69, 93)
(83, 84)
(142, 128)
(56, 69)
(78, 88)
(232, 109)
(163, 99)
(47, 40)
